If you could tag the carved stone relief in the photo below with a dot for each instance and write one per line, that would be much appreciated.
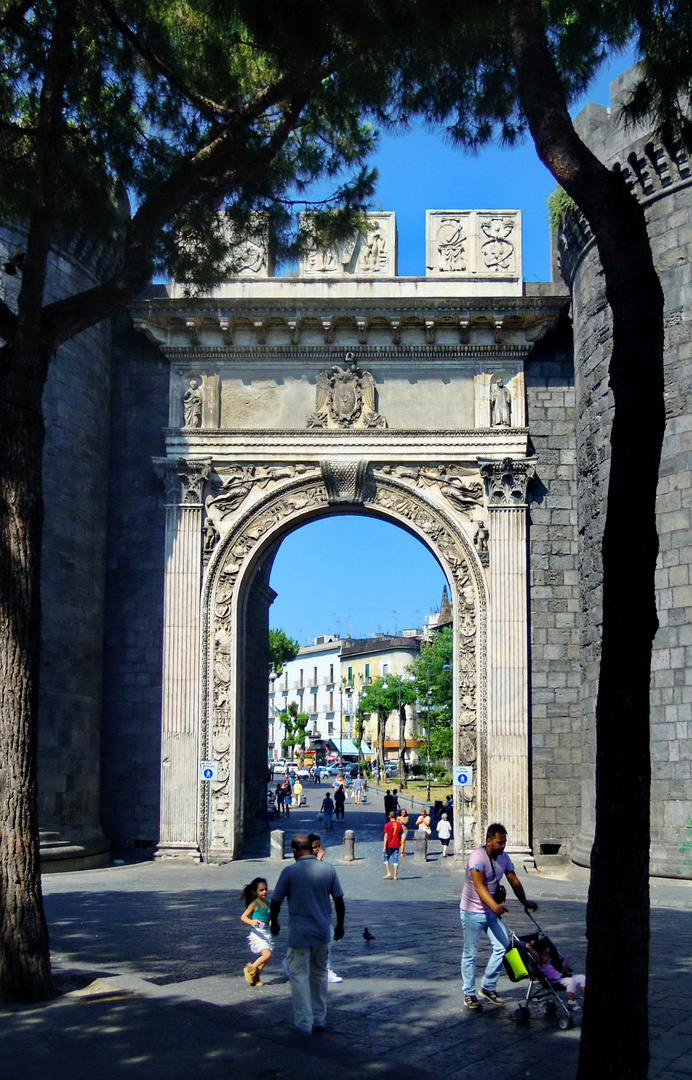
(370, 253)
(506, 481)
(451, 480)
(390, 496)
(345, 398)
(474, 243)
(183, 480)
(345, 481)
(236, 484)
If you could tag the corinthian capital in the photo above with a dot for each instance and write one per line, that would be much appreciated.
(183, 480)
(506, 481)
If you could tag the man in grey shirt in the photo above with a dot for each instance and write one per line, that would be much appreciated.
(308, 885)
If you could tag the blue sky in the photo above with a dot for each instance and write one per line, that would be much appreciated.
(362, 572)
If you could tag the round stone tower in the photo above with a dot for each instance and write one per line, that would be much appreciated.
(662, 182)
(76, 408)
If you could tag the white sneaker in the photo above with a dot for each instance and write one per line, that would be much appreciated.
(332, 977)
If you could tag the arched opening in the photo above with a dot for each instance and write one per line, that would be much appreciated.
(237, 597)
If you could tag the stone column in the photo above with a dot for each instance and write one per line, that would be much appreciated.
(508, 653)
(179, 830)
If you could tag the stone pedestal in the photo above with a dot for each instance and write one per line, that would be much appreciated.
(508, 698)
(276, 845)
(179, 820)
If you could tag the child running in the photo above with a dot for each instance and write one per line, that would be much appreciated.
(256, 915)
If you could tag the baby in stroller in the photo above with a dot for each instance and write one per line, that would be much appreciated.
(556, 969)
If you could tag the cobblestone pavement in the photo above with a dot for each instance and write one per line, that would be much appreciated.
(149, 958)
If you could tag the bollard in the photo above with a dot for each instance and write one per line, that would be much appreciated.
(276, 845)
(349, 842)
(420, 846)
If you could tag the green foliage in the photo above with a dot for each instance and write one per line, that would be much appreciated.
(559, 205)
(295, 726)
(281, 649)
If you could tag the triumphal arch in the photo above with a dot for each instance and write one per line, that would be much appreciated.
(345, 388)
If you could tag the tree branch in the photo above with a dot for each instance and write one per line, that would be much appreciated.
(205, 105)
(213, 172)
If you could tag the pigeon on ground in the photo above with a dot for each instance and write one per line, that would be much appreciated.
(367, 935)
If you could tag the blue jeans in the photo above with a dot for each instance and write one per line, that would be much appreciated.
(473, 922)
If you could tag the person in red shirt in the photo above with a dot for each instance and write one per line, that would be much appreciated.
(391, 844)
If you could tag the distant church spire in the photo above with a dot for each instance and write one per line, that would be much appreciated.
(445, 605)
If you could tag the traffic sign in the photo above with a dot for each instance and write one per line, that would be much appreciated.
(463, 776)
(208, 770)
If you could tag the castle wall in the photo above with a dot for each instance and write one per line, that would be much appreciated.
(76, 407)
(556, 713)
(663, 185)
(134, 595)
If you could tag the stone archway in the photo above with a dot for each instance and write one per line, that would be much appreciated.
(249, 509)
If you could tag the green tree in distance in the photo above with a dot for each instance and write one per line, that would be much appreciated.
(281, 649)
(432, 671)
(295, 728)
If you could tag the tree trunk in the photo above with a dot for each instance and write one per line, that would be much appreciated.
(614, 1040)
(402, 746)
(381, 729)
(25, 974)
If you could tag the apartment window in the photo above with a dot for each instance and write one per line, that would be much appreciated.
(330, 727)
(367, 671)
(350, 676)
(331, 701)
(331, 673)
(314, 676)
(285, 679)
(300, 681)
(385, 669)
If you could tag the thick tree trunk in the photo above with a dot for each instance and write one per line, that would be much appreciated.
(381, 728)
(402, 746)
(614, 1040)
(24, 958)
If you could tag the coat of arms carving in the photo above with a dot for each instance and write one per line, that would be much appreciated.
(345, 397)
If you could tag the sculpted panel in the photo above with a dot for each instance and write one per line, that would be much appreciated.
(345, 398)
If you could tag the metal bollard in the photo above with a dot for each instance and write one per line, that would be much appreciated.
(276, 845)
(420, 846)
(349, 846)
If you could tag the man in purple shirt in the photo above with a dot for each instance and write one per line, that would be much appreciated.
(481, 912)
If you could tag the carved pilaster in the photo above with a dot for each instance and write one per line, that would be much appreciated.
(508, 701)
(184, 482)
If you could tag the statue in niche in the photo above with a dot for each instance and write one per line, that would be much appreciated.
(192, 405)
(450, 246)
(500, 405)
(210, 536)
(481, 538)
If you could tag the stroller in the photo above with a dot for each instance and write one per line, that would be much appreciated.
(519, 964)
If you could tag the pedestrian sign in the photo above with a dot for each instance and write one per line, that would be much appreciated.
(463, 776)
(208, 770)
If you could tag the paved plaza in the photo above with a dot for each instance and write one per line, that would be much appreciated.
(150, 956)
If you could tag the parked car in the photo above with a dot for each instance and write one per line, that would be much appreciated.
(303, 774)
(391, 768)
(286, 767)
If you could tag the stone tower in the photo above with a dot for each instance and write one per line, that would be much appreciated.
(662, 182)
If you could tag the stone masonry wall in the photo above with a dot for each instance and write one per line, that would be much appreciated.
(76, 408)
(554, 595)
(664, 186)
(134, 595)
